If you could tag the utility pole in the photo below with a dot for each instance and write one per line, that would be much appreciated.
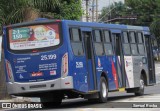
(93, 11)
(96, 10)
(87, 10)
(110, 10)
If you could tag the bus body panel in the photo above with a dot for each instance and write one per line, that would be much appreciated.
(138, 67)
(35, 67)
(129, 71)
(32, 88)
(80, 77)
(105, 64)
(44, 70)
(41, 68)
(47, 74)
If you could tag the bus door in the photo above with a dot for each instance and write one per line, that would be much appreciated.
(151, 66)
(119, 60)
(90, 60)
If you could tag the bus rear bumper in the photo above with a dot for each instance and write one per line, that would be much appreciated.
(17, 88)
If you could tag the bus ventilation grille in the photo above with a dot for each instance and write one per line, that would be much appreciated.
(37, 86)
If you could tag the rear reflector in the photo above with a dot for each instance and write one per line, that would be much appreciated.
(34, 51)
(67, 83)
(37, 74)
(9, 69)
(64, 67)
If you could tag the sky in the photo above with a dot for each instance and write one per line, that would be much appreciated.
(104, 3)
(101, 4)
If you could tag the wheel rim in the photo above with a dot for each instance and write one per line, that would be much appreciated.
(141, 84)
(104, 90)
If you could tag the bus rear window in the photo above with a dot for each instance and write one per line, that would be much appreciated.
(34, 37)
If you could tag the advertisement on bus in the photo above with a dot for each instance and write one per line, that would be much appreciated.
(32, 37)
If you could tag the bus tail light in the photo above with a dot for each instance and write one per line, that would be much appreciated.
(64, 68)
(9, 70)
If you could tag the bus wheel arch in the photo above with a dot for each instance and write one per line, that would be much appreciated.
(103, 93)
(143, 74)
(143, 82)
(105, 75)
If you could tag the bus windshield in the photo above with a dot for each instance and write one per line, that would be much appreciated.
(33, 37)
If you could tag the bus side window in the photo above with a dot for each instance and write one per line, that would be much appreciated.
(133, 40)
(97, 36)
(76, 35)
(126, 45)
(108, 43)
(76, 41)
(140, 43)
(98, 42)
(132, 37)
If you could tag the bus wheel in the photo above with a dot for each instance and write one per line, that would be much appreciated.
(51, 102)
(103, 94)
(141, 88)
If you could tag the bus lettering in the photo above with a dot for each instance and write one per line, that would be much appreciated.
(48, 57)
(79, 64)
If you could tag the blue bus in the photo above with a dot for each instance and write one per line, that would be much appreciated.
(53, 59)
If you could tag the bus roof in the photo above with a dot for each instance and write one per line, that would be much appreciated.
(116, 26)
(86, 24)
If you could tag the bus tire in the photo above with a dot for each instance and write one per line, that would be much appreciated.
(140, 91)
(51, 102)
(103, 94)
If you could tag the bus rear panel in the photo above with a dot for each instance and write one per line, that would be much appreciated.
(36, 57)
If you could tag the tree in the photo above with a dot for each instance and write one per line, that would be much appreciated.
(11, 11)
(115, 10)
(155, 29)
(15, 11)
(68, 9)
(147, 12)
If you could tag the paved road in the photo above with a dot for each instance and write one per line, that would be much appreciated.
(116, 100)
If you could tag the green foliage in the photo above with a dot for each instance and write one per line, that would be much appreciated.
(15, 11)
(115, 10)
(68, 9)
(11, 11)
(147, 13)
(145, 10)
(155, 29)
(45, 5)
